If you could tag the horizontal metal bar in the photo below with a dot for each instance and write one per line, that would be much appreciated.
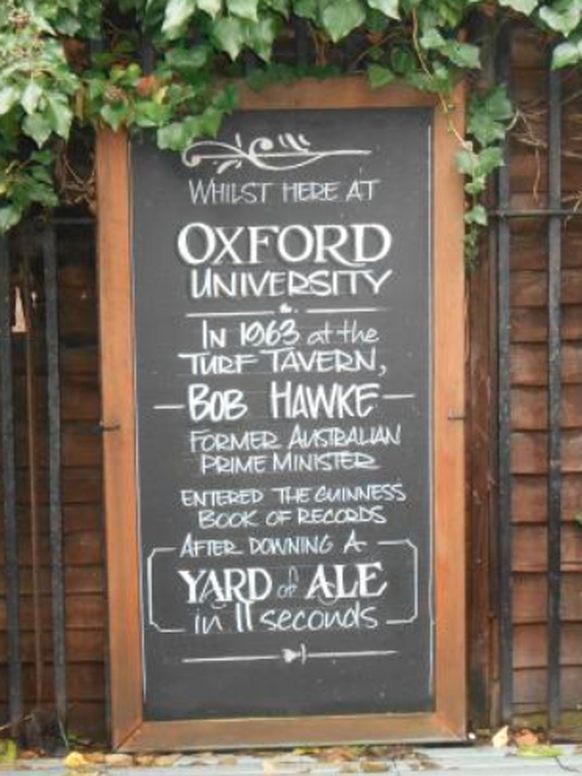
(536, 213)
(72, 221)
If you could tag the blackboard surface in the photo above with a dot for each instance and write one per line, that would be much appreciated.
(283, 394)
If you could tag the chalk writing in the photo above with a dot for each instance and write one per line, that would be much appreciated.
(283, 382)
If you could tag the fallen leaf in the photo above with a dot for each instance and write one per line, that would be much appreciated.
(76, 761)
(539, 750)
(202, 759)
(119, 760)
(7, 751)
(374, 766)
(501, 738)
(272, 765)
(29, 754)
(339, 754)
(145, 760)
(526, 737)
(227, 759)
(292, 758)
(96, 758)
(166, 760)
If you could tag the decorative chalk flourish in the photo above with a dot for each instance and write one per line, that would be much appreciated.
(289, 656)
(287, 152)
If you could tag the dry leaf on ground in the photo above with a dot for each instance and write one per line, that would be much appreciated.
(374, 766)
(145, 760)
(119, 760)
(76, 761)
(526, 737)
(501, 738)
(166, 760)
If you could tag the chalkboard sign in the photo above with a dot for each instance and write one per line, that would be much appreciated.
(283, 358)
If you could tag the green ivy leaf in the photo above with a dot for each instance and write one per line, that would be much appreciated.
(562, 17)
(211, 7)
(460, 54)
(8, 98)
(115, 114)
(578, 519)
(151, 114)
(59, 113)
(246, 9)
(489, 115)
(432, 39)
(526, 7)
(10, 215)
(476, 215)
(463, 54)
(38, 128)
(388, 7)
(226, 100)
(177, 15)
(261, 36)
(180, 134)
(339, 19)
(466, 162)
(229, 35)
(280, 6)
(380, 76)
(566, 54)
(188, 61)
(490, 159)
(31, 97)
(306, 9)
(173, 137)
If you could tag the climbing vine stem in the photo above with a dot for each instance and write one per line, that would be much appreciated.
(69, 63)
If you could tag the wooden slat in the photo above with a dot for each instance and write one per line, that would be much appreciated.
(529, 598)
(529, 363)
(529, 498)
(80, 486)
(529, 452)
(529, 244)
(529, 288)
(81, 548)
(531, 645)
(530, 549)
(530, 324)
(78, 579)
(529, 408)
(530, 688)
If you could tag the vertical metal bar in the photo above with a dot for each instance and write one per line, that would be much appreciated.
(301, 41)
(504, 421)
(9, 492)
(33, 480)
(148, 56)
(554, 400)
(55, 504)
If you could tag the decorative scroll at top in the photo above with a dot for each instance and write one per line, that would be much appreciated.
(288, 152)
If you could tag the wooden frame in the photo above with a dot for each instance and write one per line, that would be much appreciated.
(447, 722)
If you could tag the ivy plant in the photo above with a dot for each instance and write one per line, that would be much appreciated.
(65, 63)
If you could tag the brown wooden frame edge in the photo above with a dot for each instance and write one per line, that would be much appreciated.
(448, 722)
